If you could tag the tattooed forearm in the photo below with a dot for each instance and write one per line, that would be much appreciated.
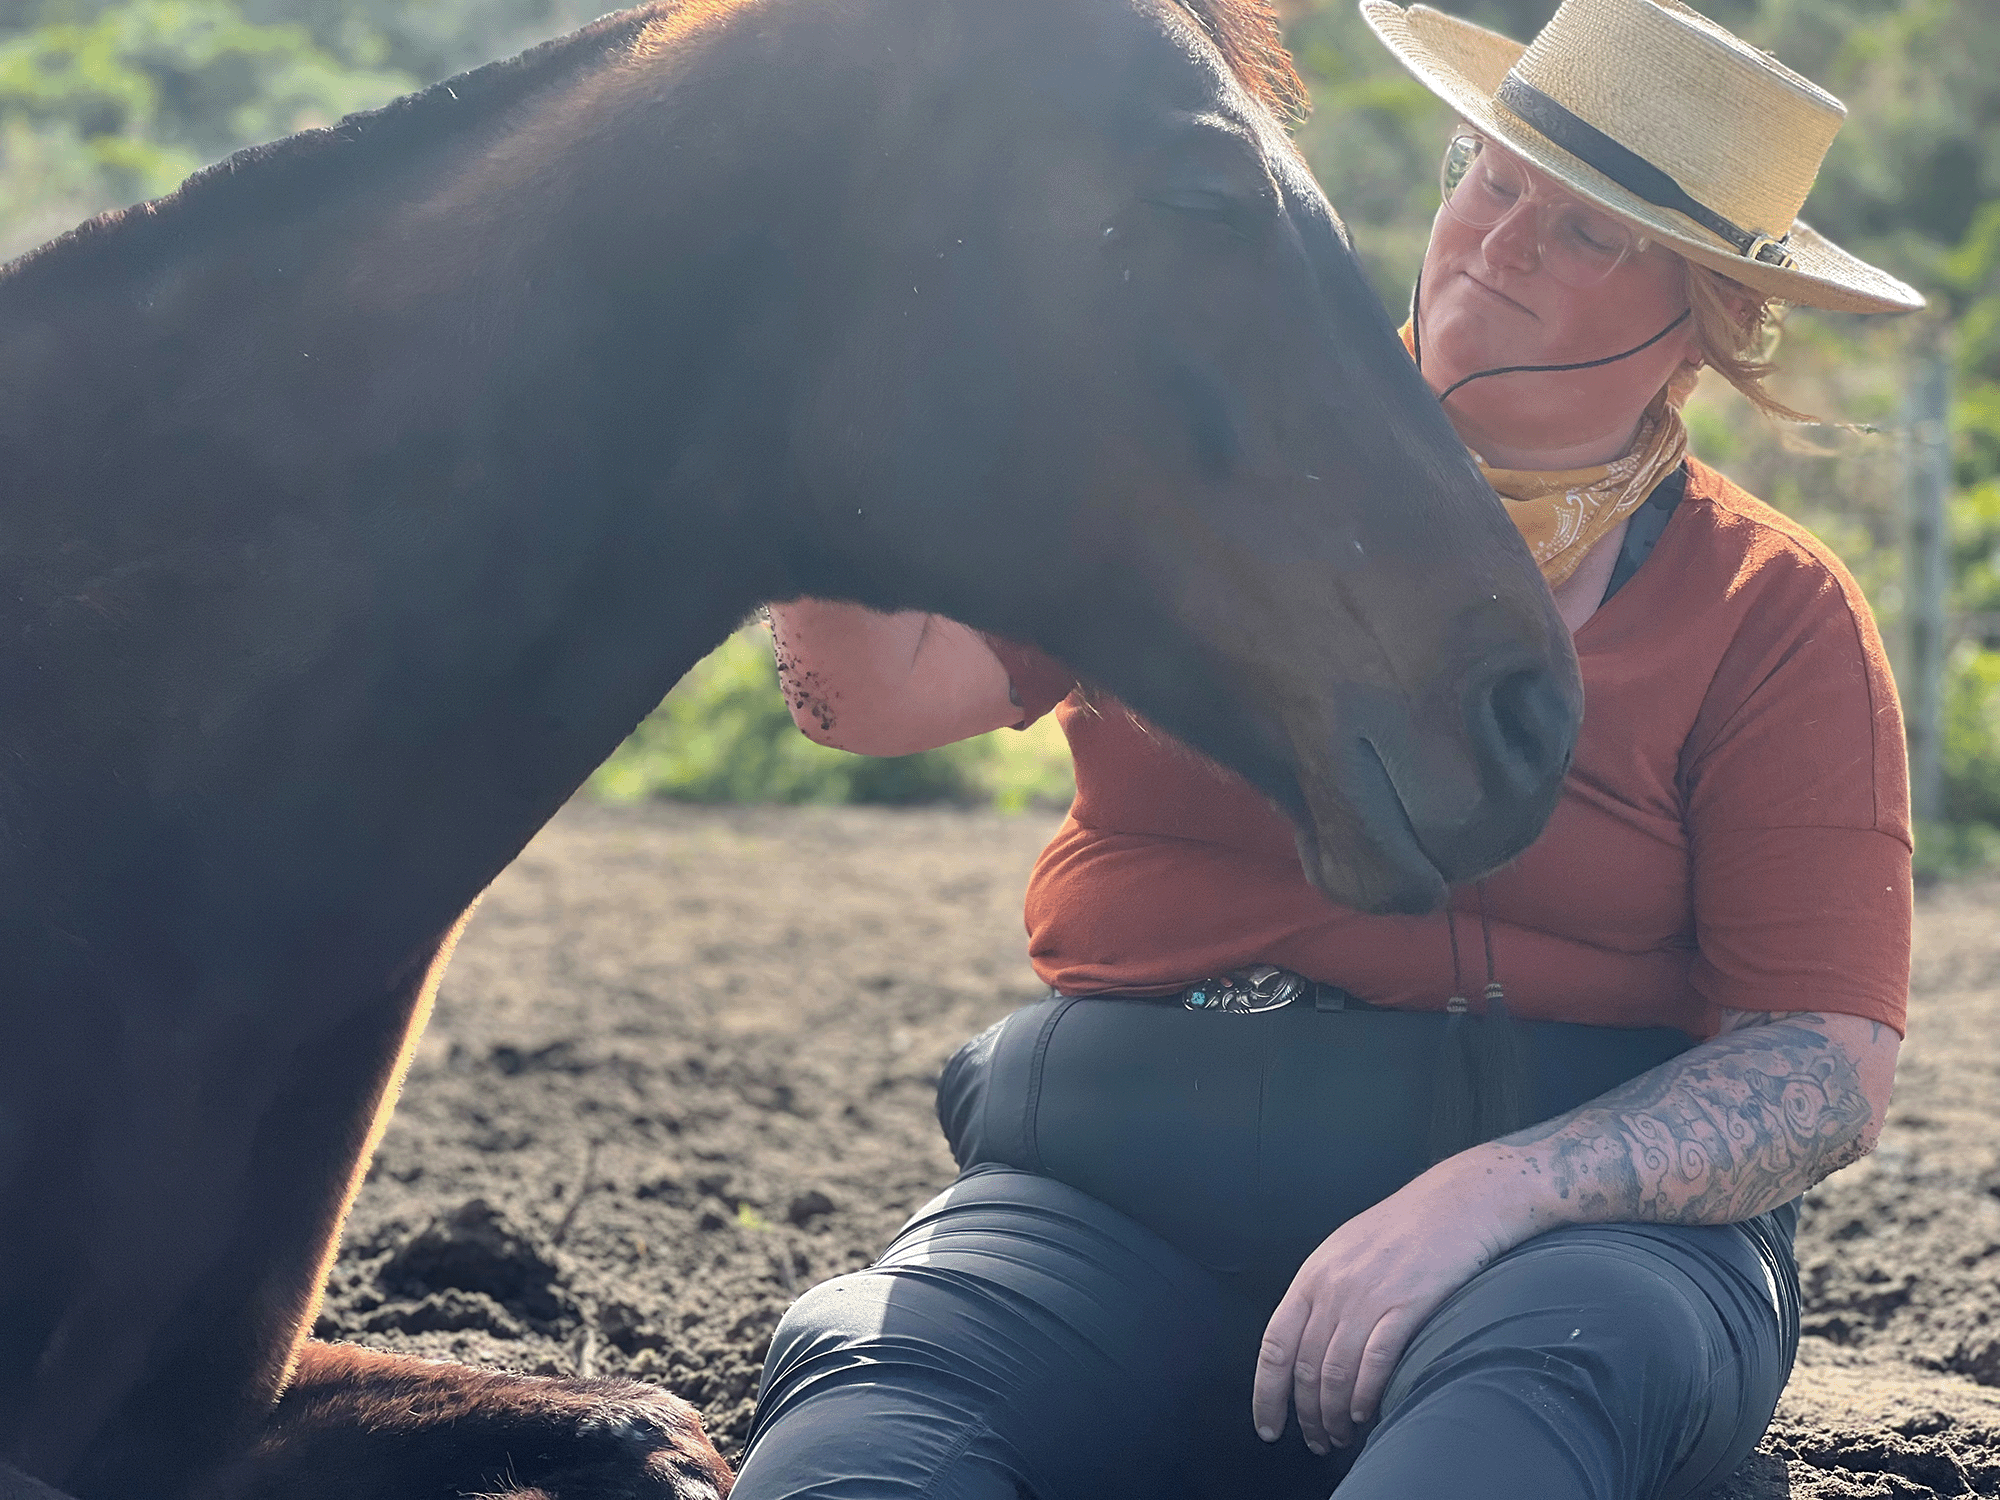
(1727, 1130)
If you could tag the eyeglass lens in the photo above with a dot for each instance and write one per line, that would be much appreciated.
(1483, 184)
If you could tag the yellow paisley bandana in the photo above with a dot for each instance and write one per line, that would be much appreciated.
(1563, 513)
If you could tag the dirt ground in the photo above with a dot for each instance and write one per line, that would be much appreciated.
(683, 1064)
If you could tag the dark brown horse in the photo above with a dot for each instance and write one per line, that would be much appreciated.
(358, 498)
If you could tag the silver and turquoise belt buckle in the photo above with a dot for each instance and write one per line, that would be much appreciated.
(1246, 992)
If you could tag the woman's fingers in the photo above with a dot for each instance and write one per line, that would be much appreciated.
(1271, 1390)
(1342, 1388)
(1309, 1360)
(1329, 1365)
(1356, 1303)
(1378, 1362)
(1333, 1391)
(1307, 1365)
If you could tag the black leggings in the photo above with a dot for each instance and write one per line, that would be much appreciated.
(1077, 1318)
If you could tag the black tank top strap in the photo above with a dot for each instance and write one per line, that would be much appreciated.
(1645, 528)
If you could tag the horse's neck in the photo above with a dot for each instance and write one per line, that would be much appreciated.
(444, 333)
(394, 509)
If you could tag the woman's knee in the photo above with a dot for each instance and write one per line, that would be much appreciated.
(854, 1407)
(1635, 1352)
(831, 1325)
(1014, 1326)
(1598, 1309)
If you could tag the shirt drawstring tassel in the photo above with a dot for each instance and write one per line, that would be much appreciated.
(1454, 1107)
(1481, 1085)
(1503, 1054)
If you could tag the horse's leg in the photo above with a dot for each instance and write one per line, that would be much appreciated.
(232, 1345)
(376, 1109)
(360, 1425)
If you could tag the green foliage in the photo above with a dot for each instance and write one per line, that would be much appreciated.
(1972, 737)
(1972, 689)
(99, 109)
(429, 39)
(1970, 276)
(105, 102)
(192, 74)
(725, 735)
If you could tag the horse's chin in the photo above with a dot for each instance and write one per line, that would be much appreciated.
(1360, 849)
(1383, 890)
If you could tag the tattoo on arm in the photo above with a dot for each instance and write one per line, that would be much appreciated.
(1727, 1130)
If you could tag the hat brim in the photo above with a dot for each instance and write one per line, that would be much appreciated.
(1464, 64)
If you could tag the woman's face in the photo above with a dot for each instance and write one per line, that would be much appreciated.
(1487, 301)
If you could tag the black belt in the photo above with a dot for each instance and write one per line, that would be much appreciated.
(1253, 990)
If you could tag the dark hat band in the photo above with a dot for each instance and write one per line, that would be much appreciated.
(1630, 170)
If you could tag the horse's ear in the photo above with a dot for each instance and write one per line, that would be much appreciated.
(1247, 34)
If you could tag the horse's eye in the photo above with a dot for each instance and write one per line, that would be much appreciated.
(1239, 215)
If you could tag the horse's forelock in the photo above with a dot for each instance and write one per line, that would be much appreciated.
(1247, 34)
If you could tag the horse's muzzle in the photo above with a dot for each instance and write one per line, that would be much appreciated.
(1522, 728)
(1418, 810)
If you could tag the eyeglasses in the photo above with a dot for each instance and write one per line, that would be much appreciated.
(1579, 245)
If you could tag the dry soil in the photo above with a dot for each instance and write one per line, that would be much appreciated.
(682, 1067)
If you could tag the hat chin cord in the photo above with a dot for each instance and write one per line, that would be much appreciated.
(1417, 338)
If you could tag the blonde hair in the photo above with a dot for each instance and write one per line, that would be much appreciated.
(1737, 329)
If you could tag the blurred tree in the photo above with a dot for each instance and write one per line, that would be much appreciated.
(104, 102)
(427, 39)
(113, 103)
(725, 735)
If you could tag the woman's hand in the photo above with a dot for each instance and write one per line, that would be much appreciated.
(1362, 1295)
(1729, 1129)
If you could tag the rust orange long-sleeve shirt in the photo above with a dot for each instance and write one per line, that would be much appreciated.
(1734, 830)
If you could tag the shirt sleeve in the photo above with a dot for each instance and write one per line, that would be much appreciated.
(1036, 681)
(1797, 790)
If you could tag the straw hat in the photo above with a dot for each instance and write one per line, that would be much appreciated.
(1653, 111)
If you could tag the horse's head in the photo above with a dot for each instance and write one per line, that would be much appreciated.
(1091, 363)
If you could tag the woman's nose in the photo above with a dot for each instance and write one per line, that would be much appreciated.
(1514, 240)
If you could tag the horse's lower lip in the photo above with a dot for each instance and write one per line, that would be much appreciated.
(1403, 826)
(1411, 880)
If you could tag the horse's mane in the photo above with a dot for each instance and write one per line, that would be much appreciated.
(1246, 33)
(299, 169)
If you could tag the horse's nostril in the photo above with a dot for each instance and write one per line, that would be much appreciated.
(1525, 729)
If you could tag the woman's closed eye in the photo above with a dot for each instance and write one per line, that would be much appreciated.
(1590, 232)
(1498, 188)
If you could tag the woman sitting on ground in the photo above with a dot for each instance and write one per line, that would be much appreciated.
(1229, 1177)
